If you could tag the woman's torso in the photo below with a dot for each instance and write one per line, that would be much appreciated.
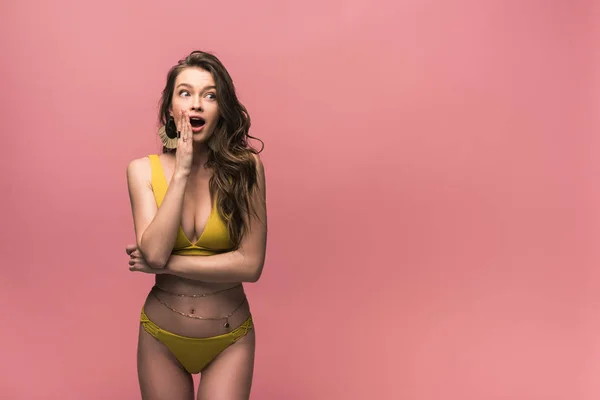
(202, 233)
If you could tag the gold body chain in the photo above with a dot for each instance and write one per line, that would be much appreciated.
(226, 318)
(197, 295)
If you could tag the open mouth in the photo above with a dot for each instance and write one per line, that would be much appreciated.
(197, 122)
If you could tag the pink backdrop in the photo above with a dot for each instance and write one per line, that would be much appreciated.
(432, 192)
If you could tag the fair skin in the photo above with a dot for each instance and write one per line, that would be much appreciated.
(187, 204)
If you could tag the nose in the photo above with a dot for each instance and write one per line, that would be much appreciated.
(197, 104)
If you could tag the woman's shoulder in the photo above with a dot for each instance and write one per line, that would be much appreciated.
(139, 164)
(257, 160)
(260, 169)
(145, 161)
(141, 168)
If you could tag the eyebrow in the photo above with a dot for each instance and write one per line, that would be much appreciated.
(191, 87)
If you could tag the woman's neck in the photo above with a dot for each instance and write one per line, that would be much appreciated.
(200, 156)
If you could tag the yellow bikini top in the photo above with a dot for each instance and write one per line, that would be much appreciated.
(215, 237)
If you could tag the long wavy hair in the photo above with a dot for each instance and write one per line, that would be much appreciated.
(229, 154)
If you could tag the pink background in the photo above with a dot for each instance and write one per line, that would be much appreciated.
(432, 177)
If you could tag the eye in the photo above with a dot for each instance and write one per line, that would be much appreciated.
(183, 92)
(214, 96)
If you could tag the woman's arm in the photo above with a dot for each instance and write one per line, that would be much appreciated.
(155, 228)
(242, 265)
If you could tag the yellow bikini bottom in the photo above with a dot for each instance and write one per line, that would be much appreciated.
(194, 354)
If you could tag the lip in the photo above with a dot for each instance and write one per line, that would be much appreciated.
(197, 130)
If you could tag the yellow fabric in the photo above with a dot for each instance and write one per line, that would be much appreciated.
(194, 354)
(215, 237)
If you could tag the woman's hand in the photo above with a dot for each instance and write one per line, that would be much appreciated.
(137, 262)
(184, 154)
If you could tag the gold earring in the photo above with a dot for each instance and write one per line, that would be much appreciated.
(168, 134)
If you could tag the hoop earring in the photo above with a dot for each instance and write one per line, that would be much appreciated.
(168, 134)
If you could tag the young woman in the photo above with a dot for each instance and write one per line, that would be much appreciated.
(199, 212)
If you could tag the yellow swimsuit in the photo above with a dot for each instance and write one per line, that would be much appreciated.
(194, 354)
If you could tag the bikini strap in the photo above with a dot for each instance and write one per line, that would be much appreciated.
(159, 181)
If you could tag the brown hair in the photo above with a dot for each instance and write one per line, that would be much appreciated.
(229, 154)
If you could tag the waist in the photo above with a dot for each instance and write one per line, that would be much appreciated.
(189, 287)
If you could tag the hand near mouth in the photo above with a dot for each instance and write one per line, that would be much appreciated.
(184, 153)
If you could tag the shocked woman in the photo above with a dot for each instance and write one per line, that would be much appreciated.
(199, 212)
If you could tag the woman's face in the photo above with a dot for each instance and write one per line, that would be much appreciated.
(195, 92)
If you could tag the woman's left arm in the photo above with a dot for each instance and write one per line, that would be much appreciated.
(242, 265)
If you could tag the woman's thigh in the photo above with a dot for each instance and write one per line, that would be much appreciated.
(160, 375)
(229, 376)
